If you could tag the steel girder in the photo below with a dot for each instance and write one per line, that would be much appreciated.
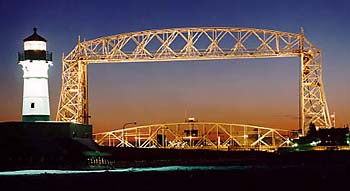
(197, 135)
(194, 44)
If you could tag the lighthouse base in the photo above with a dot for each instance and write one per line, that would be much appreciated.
(32, 118)
(45, 145)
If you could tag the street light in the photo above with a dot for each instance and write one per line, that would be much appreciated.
(125, 124)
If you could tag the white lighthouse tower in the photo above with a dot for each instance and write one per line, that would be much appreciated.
(35, 61)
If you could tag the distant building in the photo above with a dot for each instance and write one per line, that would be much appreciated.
(333, 136)
(325, 137)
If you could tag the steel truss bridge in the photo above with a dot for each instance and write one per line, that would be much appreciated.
(197, 135)
(194, 44)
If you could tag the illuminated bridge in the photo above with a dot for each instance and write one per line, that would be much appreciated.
(197, 135)
(206, 43)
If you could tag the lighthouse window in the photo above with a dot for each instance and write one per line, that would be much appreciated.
(31, 105)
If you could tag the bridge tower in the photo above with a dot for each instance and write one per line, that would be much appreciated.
(35, 62)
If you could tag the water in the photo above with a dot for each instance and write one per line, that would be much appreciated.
(134, 170)
(213, 178)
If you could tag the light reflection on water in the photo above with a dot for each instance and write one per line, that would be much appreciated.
(138, 169)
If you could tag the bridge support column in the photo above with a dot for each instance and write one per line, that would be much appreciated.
(73, 104)
(313, 105)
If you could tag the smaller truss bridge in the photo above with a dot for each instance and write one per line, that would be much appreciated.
(197, 135)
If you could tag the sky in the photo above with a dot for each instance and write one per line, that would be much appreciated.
(260, 92)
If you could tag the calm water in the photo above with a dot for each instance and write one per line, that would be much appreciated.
(213, 178)
(128, 170)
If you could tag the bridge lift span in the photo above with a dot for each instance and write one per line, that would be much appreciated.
(197, 135)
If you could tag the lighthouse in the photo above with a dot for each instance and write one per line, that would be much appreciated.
(35, 62)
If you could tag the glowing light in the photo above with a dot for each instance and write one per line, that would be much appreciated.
(34, 45)
(288, 141)
(191, 119)
(315, 143)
